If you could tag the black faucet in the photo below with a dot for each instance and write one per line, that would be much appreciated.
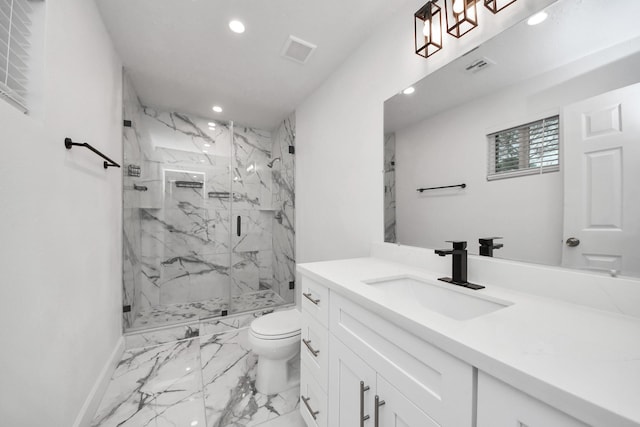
(459, 265)
(487, 246)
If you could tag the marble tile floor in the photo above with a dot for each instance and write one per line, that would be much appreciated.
(176, 313)
(205, 381)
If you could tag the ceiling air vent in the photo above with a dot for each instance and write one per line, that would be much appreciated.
(297, 49)
(478, 65)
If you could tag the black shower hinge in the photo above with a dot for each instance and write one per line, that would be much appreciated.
(126, 309)
(292, 149)
(224, 313)
(292, 284)
(127, 123)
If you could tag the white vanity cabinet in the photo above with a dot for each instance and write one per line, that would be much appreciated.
(314, 353)
(500, 405)
(361, 397)
(376, 374)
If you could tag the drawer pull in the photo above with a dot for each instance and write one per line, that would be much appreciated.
(313, 413)
(378, 404)
(310, 298)
(363, 417)
(308, 344)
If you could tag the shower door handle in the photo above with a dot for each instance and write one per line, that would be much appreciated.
(239, 225)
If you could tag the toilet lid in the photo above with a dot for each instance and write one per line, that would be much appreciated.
(279, 323)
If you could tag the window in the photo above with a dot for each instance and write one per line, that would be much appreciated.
(525, 150)
(15, 32)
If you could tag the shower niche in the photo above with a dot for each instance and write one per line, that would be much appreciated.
(208, 216)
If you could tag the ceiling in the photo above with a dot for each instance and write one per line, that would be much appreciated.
(181, 56)
(574, 30)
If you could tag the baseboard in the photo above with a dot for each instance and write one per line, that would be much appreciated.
(94, 397)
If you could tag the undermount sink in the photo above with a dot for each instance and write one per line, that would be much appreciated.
(442, 298)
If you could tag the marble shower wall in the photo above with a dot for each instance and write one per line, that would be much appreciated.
(390, 188)
(181, 242)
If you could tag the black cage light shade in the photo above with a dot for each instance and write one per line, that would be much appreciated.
(461, 15)
(496, 6)
(428, 29)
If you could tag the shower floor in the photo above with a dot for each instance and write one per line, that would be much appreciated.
(176, 313)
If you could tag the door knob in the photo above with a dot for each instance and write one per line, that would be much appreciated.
(572, 242)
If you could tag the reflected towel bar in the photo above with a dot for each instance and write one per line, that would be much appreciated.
(68, 143)
(445, 186)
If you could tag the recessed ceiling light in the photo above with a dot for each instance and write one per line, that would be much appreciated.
(236, 26)
(537, 18)
(409, 90)
(211, 124)
(207, 145)
(217, 109)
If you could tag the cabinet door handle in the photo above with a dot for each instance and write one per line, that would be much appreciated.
(310, 298)
(378, 404)
(308, 344)
(363, 417)
(239, 225)
(313, 413)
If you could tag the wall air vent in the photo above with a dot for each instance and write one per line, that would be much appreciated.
(297, 49)
(478, 65)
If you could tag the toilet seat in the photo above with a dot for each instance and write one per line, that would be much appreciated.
(277, 325)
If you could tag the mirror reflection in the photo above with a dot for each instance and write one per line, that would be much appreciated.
(541, 124)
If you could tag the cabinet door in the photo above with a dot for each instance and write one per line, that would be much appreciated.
(395, 410)
(353, 386)
(500, 405)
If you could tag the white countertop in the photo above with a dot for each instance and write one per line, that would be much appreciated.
(583, 361)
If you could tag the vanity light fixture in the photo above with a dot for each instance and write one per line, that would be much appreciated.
(428, 29)
(461, 15)
(496, 6)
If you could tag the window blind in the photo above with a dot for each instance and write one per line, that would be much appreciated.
(15, 32)
(525, 150)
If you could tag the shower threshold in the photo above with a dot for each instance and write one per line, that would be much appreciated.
(170, 314)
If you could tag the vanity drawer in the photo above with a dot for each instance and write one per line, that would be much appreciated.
(314, 351)
(315, 300)
(500, 405)
(313, 401)
(438, 383)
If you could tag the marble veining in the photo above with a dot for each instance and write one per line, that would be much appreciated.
(181, 245)
(208, 380)
(183, 312)
(390, 188)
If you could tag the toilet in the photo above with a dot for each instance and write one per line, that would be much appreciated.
(275, 338)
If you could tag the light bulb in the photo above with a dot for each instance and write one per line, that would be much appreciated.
(425, 29)
(236, 27)
(458, 6)
(537, 18)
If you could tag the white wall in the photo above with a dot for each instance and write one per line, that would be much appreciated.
(339, 171)
(60, 299)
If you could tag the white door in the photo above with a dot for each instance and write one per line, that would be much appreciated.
(602, 182)
(352, 388)
(395, 410)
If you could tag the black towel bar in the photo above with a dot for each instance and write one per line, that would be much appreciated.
(68, 143)
(444, 186)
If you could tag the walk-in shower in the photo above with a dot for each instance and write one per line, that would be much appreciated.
(207, 216)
